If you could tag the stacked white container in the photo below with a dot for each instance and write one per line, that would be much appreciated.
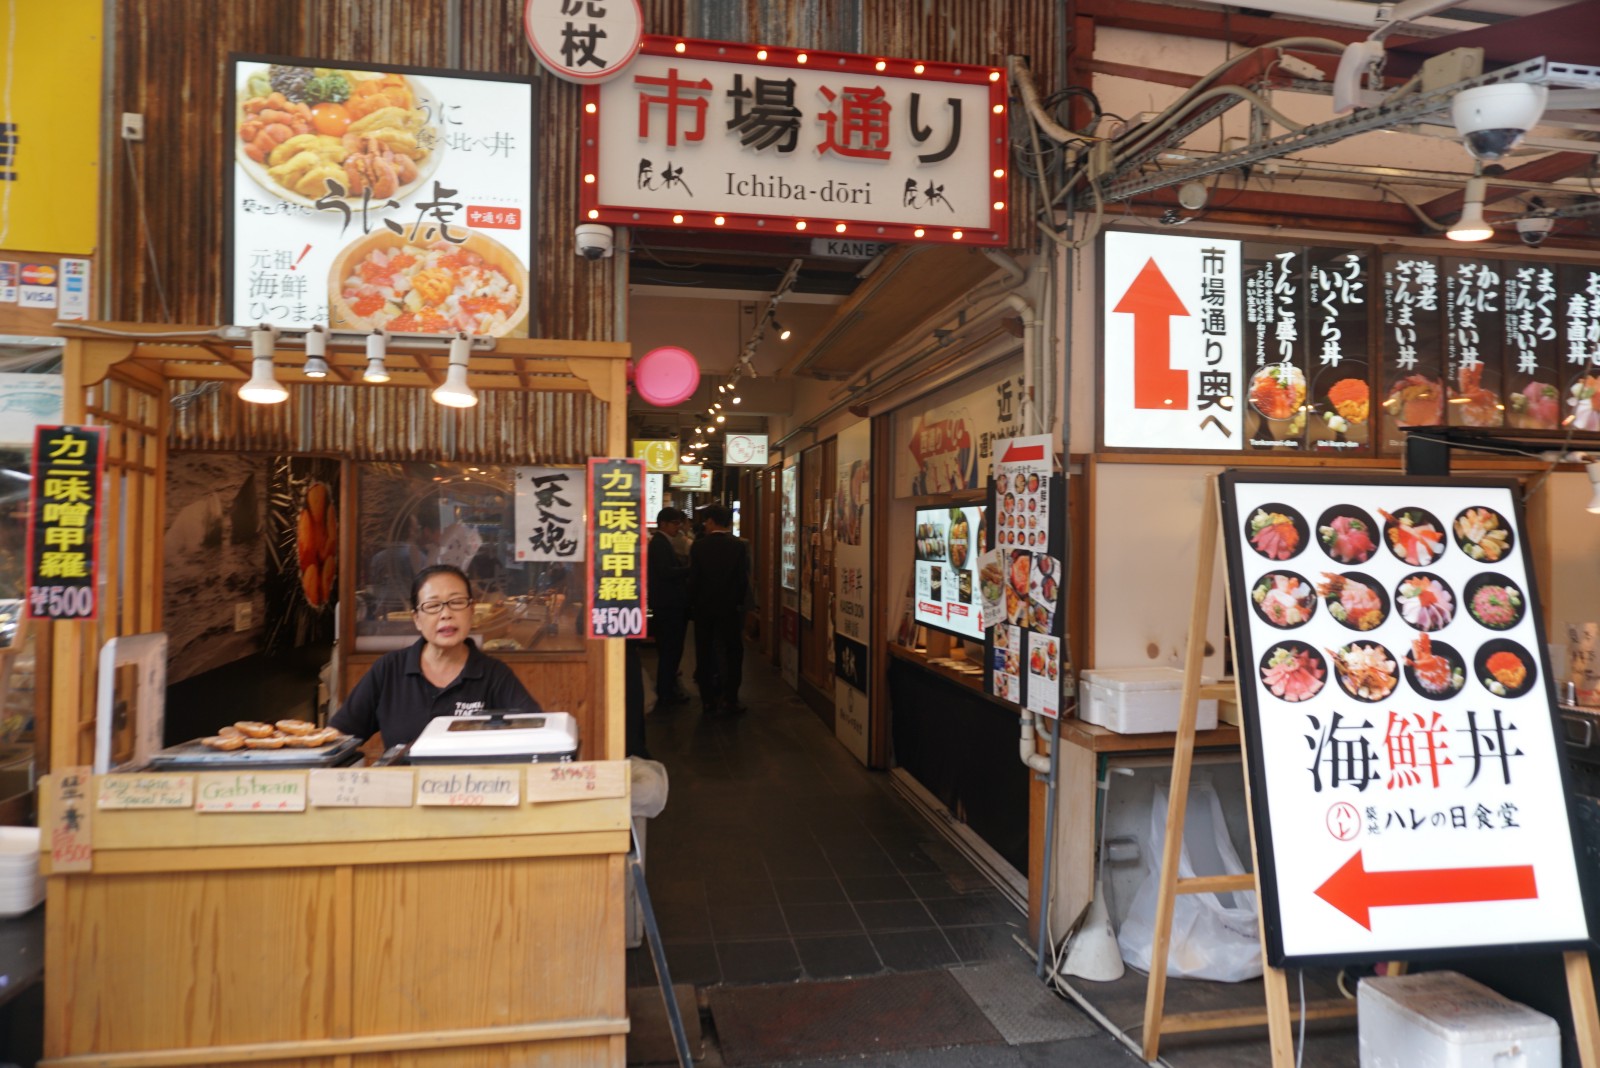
(21, 885)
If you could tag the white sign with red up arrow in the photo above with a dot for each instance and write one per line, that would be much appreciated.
(1406, 766)
(1172, 363)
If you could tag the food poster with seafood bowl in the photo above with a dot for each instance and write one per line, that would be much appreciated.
(1307, 342)
(1024, 578)
(365, 197)
(1406, 766)
(949, 543)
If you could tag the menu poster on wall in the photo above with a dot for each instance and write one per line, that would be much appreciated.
(948, 443)
(1006, 654)
(789, 563)
(655, 495)
(852, 587)
(1411, 380)
(617, 549)
(1581, 334)
(1339, 395)
(365, 196)
(548, 512)
(947, 549)
(1474, 335)
(1275, 331)
(64, 522)
(1404, 749)
(1532, 347)
(1044, 674)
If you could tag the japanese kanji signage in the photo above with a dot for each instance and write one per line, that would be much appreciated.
(549, 513)
(1172, 342)
(710, 135)
(378, 197)
(659, 455)
(1405, 759)
(63, 522)
(583, 40)
(617, 548)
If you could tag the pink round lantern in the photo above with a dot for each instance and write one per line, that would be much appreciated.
(666, 376)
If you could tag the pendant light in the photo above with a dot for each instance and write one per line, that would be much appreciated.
(316, 352)
(377, 349)
(1471, 226)
(263, 387)
(455, 393)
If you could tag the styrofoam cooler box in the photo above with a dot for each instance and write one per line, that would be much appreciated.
(1445, 1020)
(1142, 700)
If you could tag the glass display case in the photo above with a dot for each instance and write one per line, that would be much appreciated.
(411, 515)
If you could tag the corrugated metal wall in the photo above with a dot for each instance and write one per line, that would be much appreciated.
(169, 65)
(394, 423)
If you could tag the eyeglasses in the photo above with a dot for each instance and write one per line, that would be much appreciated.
(455, 604)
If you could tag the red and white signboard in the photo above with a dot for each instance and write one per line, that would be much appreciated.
(716, 135)
(584, 41)
(1406, 763)
(1170, 320)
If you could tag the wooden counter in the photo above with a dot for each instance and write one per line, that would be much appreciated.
(423, 937)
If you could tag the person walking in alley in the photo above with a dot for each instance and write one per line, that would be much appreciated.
(722, 601)
(669, 604)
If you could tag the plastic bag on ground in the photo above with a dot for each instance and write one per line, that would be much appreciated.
(649, 787)
(1214, 936)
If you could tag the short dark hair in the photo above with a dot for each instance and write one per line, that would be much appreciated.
(427, 573)
(671, 515)
(719, 514)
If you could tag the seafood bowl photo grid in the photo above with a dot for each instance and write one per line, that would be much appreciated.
(1410, 585)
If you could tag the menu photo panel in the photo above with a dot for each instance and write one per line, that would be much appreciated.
(1532, 344)
(1411, 378)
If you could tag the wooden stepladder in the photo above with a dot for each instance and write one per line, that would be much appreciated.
(1277, 1012)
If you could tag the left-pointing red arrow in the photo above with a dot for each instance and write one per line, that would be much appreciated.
(1354, 890)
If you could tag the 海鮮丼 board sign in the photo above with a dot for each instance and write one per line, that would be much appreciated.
(716, 135)
(1407, 779)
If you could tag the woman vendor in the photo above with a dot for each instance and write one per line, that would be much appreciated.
(442, 673)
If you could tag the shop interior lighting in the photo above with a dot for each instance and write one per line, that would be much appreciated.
(1471, 226)
(263, 387)
(454, 391)
(316, 352)
(782, 331)
(1593, 469)
(722, 419)
(736, 398)
(377, 349)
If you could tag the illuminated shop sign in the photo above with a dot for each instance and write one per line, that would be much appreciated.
(709, 135)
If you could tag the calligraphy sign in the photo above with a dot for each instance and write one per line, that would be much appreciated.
(617, 548)
(63, 522)
(583, 41)
(719, 135)
(1407, 776)
(549, 513)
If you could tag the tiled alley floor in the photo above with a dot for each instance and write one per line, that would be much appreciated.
(780, 859)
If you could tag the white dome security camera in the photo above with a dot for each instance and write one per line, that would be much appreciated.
(1534, 229)
(594, 241)
(1492, 119)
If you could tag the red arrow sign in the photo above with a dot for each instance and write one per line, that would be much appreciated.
(1151, 302)
(1016, 454)
(1353, 889)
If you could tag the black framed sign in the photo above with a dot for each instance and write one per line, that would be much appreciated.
(64, 522)
(1407, 780)
(617, 548)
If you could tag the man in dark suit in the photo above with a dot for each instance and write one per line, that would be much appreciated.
(669, 604)
(722, 600)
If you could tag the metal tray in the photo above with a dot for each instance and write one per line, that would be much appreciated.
(193, 756)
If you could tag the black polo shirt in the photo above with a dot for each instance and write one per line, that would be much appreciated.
(396, 698)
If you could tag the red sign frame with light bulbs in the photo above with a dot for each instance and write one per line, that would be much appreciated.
(637, 210)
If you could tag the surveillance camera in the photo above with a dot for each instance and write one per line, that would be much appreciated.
(1534, 229)
(1492, 119)
(594, 241)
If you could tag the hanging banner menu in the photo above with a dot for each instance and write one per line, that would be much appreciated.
(1405, 756)
(617, 549)
(548, 512)
(1274, 331)
(1474, 335)
(1173, 342)
(1581, 336)
(1412, 376)
(1339, 396)
(1532, 347)
(63, 522)
(379, 197)
(720, 135)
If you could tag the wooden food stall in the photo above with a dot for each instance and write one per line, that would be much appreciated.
(299, 931)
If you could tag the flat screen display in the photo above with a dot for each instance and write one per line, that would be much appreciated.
(948, 544)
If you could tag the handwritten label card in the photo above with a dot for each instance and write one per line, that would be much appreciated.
(252, 791)
(577, 781)
(469, 787)
(146, 791)
(71, 840)
(362, 787)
